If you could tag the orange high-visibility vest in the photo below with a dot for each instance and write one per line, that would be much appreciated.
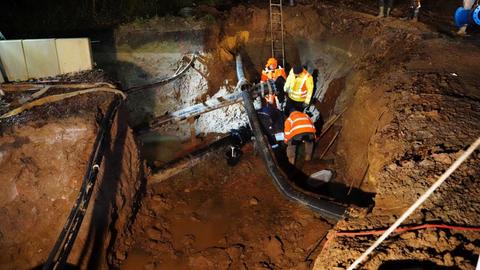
(273, 74)
(297, 123)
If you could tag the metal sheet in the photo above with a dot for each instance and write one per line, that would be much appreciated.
(41, 57)
(13, 60)
(74, 54)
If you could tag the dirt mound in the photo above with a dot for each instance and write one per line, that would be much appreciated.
(415, 111)
(43, 156)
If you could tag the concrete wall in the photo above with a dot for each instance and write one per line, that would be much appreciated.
(37, 58)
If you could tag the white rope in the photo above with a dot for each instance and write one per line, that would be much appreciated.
(414, 206)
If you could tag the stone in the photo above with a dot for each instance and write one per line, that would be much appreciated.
(442, 158)
(448, 260)
(408, 235)
(274, 248)
(253, 201)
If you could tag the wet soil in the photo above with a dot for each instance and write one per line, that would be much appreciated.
(414, 112)
(219, 217)
(44, 154)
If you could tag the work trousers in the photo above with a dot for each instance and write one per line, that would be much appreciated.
(415, 4)
(385, 3)
(292, 104)
(307, 139)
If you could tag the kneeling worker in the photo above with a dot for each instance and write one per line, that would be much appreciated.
(299, 129)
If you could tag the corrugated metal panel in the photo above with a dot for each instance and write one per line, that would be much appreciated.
(41, 57)
(74, 54)
(13, 60)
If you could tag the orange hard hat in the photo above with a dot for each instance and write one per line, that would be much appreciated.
(272, 61)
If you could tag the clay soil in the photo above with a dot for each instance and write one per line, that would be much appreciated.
(220, 217)
(410, 109)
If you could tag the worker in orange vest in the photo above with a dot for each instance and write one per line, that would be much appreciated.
(275, 75)
(273, 71)
(299, 129)
(299, 87)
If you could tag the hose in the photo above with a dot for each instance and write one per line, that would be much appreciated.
(326, 209)
(179, 72)
(54, 98)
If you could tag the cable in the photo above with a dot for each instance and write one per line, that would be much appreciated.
(58, 256)
(180, 71)
(54, 98)
(415, 205)
(334, 234)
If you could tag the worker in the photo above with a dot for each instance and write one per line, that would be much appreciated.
(415, 6)
(271, 120)
(467, 4)
(272, 71)
(275, 75)
(384, 8)
(299, 88)
(298, 129)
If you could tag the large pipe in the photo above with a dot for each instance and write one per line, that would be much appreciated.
(326, 209)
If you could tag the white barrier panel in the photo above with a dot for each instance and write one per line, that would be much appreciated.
(74, 54)
(13, 60)
(38, 58)
(41, 57)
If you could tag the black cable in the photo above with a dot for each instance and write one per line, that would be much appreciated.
(59, 254)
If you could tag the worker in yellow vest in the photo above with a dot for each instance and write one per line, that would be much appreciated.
(299, 88)
(299, 129)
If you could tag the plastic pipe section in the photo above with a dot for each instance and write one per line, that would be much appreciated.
(328, 210)
(467, 16)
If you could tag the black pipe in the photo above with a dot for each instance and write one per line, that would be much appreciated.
(326, 209)
(58, 256)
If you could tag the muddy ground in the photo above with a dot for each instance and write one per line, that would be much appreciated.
(44, 155)
(408, 94)
(410, 109)
(234, 220)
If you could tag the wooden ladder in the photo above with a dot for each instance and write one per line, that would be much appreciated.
(276, 31)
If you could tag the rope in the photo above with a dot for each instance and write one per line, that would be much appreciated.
(54, 98)
(414, 206)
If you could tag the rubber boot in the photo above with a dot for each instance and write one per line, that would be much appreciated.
(387, 13)
(381, 9)
(291, 160)
(415, 15)
(462, 31)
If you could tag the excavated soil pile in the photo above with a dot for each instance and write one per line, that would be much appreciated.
(415, 110)
(44, 153)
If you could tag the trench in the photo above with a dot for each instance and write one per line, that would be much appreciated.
(387, 94)
(211, 213)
